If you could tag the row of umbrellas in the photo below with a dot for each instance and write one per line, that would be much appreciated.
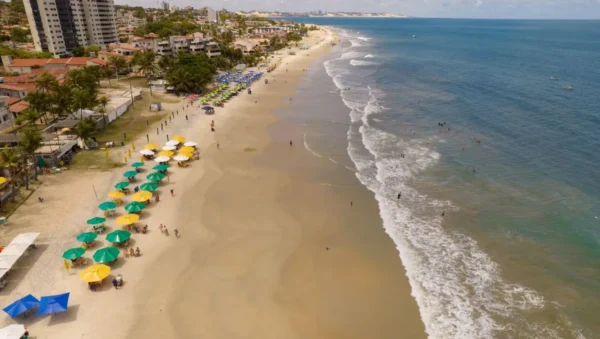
(46, 305)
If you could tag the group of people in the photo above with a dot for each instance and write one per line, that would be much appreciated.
(132, 253)
(164, 230)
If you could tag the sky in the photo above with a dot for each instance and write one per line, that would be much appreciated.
(511, 9)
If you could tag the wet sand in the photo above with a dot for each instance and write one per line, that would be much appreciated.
(252, 259)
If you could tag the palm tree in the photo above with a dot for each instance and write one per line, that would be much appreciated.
(61, 101)
(82, 98)
(103, 101)
(85, 128)
(182, 80)
(39, 101)
(118, 63)
(30, 141)
(46, 82)
(165, 64)
(9, 158)
(27, 117)
(107, 73)
(146, 65)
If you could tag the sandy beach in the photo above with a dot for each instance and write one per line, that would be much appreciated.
(264, 251)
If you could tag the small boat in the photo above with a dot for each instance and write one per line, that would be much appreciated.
(553, 78)
(568, 87)
(414, 36)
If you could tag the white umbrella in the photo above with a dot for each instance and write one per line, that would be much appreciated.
(14, 331)
(172, 142)
(162, 159)
(169, 148)
(181, 158)
(146, 152)
(191, 144)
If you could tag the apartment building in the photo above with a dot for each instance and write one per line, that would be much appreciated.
(58, 26)
(195, 43)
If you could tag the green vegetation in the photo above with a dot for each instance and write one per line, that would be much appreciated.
(167, 27)
(81, 51)
(190, 73)
(17, 53)
(19, 35)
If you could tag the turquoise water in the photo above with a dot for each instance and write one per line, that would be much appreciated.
(513, 168)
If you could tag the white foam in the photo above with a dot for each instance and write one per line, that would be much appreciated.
(457, 286)
(363, 38)
(309, 149)
(369, 56)
(358, 63)
(351, 55)
(355, 43)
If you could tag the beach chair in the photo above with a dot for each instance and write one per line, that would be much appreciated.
(3, 221)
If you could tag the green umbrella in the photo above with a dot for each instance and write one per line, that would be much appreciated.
(156, 176)
(87, 237)
(161, 167)
(130, 174)
(134, 207)
(107, 205)
(137, 164)
(118, 236)
(96, 221)
(121, 185)
(149, 186)
(106, 254)
(73, 253)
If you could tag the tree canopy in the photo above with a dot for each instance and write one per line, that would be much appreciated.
(190, 73)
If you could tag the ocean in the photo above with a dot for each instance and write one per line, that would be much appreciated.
(490, 131)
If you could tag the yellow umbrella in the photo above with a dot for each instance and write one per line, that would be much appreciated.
(116, 194)
(165, 153)
(179, 138)
(128, 219)
(2, 180)
(141, 196)
(186, 149)
(94, 273)
(151, 146)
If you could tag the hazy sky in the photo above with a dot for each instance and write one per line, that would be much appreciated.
(422, 8)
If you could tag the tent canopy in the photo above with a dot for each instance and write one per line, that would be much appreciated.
(53, 304)
(14, 331)
(24, 304)
(13, 251)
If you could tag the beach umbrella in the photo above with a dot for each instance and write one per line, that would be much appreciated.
(151, 146)
(165, 153)
(149, 186)
(190, 144)
(130, 174)
(187, 149)
(2, 180)
(135, 207)
(116, 194)
(87, 237)
(186, 154)
(121, 185)
(141, 196)
(106, 255)
(161, 168)
(107, 205)
(147, 152)
(169, 148)
(96, 221)
(179, 138)
(118, 236)
(24, 304)
(73, 253)
(13, 331)
(128, 219)
(156, 176)
(162, 159)
(181, 158)
(172, 142)
(53, 304)
(137, 164)
(94, 273)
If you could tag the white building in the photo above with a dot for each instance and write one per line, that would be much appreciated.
(58, 26)
(212, 15)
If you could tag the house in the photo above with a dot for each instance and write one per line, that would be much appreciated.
(24, 66)
(124, 49)
(20, 85)
(247, 46)
(212, 49)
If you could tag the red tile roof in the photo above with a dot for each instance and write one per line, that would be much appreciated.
(57, 61)
(78, 61)
(28, 62)
(99, 62)
(11, 100)
(19, 107)
(151, 35)
(32, 76)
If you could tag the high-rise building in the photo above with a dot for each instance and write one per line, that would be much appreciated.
(58, 26)
(165, 6)
(212, 15)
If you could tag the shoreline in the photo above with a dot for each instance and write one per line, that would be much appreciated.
(241, 249)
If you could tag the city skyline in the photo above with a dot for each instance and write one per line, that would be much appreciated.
(494, 9)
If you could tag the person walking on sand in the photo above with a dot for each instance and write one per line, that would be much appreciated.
(218, 146)
(291, 143)
(166, 231)
(351, 203)
(399, 195)
(176, 233)
(172, 192)
(115, 283)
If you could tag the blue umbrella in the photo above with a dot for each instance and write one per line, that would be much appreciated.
(206, 108)
(24, 304)
(53, 304)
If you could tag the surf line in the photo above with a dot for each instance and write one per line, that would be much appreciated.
(308, 148)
